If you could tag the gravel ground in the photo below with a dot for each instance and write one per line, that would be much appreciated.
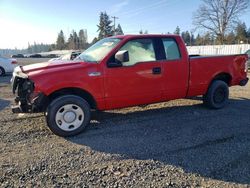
(174, 144)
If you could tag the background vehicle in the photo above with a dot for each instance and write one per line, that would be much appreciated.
(69, 56)
(7, 65)
(123, 71)
(51, 56)
(35, 56)
(18, 56)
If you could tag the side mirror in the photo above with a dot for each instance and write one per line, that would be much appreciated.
(122, 56)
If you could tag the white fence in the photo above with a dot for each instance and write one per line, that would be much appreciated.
(218, 49)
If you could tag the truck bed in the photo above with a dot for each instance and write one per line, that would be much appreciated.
(204, 68)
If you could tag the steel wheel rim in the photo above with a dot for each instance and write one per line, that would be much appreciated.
(69, 117)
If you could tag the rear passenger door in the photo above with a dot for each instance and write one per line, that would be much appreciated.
(175, 70)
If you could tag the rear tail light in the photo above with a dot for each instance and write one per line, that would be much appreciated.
(14, 62)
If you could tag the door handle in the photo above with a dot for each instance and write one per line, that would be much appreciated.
(156, 70)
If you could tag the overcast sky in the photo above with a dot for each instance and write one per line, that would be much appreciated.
(24, 21)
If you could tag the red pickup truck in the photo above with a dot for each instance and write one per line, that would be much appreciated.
(123, 71)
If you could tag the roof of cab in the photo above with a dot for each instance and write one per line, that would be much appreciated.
(144, 36)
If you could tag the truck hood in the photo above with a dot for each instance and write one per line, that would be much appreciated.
(47, 65)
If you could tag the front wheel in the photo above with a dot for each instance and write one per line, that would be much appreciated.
(217, 95)
(68, 115)
(2, 72)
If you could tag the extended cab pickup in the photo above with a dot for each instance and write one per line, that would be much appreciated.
(123, 71)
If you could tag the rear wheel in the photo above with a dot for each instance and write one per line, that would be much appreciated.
(2, 71)
(217, 95)
(68, 115)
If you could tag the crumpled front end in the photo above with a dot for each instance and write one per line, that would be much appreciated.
(27, 100)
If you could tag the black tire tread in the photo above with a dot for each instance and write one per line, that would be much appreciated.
(208, 97)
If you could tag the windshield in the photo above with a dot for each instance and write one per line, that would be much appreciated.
(99, 50)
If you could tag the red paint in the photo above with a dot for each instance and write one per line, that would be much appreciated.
(136, 85)
(14, 62)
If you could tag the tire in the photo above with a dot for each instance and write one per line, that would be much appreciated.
(68, 115)
(217, 95)
(2, 71)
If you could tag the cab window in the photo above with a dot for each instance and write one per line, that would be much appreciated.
(248, 53)
(140, 50)
(171, 49)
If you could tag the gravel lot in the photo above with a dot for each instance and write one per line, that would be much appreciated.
(174, 144)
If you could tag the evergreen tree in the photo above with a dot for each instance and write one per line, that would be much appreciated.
(104, 27)
(241, 32)
(76, 41)
(73, 41)
(52, 47)
(29, 49)
(177, 31)
(94, 40)
(141, 32)
(70, 44)
(248, 36)
(34, 49)
(248, 32)
(119, 30)
(207, 39)
(186, 37)
(198, 40)
(60, 42)
(83, 39)
(230, 38)
(192, 39)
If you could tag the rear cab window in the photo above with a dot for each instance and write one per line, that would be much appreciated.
(171, 48)
(248, 53)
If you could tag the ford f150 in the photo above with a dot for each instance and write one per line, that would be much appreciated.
(123, 71)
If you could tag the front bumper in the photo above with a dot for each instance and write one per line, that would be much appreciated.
(37, 105)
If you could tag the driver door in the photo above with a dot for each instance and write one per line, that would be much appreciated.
(136, 82)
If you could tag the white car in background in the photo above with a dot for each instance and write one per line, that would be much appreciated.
(7, 65)
(67, 57)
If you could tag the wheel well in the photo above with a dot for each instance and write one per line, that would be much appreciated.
(225, 77)
(74, 91)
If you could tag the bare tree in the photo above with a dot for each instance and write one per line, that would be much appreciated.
(219, 16)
